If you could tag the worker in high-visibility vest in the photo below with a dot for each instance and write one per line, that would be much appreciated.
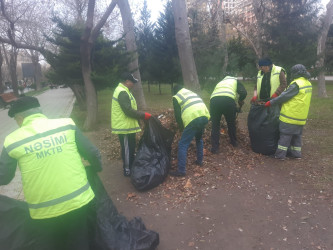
(271, 81)
(192, 116)
(124, 119)
(223, 102)
(295, 102)
(48, 153)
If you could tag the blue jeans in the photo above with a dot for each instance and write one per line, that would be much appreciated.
(194, 129)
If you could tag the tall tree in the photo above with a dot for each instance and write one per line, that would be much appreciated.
(2, 87)
(189, 70)
(291, 33)
(164, 66)
(11, 17)
(128, 25)
(321, 48)
(145, 39)
(88, 38)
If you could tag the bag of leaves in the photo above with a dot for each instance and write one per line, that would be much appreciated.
(153, 158)
(14, 220)
(263, 125)
(112, 230)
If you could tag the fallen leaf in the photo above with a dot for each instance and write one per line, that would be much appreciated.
(188, 184)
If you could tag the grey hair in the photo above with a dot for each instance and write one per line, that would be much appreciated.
(29, 112)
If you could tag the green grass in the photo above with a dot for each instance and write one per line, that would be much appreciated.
(321, 108)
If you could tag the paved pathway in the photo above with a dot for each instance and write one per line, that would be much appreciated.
(55, 103)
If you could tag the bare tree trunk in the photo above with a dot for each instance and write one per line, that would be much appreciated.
(37, 69)
(12, 69)
(189, 70)
(222, 35)
(128, 26)
(88, 38)
(2, 87)
(80, 96)
(321, 49)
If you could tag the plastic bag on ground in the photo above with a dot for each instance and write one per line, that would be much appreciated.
(14, 225)
(114, 231)
(153, 158)
(263, 126)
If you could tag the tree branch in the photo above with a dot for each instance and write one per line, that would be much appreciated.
(22, 46)
(103, 20)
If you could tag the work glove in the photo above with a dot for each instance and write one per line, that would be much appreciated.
(240, 103)
(274, 96)
(254, 99)
(268, 104)
(147, 116)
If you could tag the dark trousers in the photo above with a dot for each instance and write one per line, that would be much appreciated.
(71, 231)
(222, 105)
(127, 143)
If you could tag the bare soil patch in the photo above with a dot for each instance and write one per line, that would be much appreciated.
(237, 200)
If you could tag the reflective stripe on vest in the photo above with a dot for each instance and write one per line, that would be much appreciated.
(227, 87)
(60, 199)
(296, 110)
(120, 122)
(274, 80)
(191, 106)
(53, 176)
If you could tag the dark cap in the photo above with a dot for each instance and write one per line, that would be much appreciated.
(22, 104)
(299, 70)
(265, 62)
(128, 76)
(176, 89)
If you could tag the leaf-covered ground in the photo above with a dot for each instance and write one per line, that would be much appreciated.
(237, 200)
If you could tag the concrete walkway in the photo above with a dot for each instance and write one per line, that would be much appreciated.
(55, 103)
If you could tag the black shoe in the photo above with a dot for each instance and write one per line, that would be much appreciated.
(278, 158)
(177, 173)
(127, 172)
(214, 151)
(294, 158)
(198, 163)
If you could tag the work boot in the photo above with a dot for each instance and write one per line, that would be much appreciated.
(278, 158)
(176, 173)
(214, 151)
(198, 163)
(127, 172)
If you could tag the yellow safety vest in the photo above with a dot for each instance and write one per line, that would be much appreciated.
(120, 122)
(53, 176)
(191, 106)
(275, 79)
(296, 110)
(227, 87)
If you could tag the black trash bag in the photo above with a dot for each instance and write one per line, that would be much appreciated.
(263, 125)
(153, 158)
(113, 231)
(14, 225)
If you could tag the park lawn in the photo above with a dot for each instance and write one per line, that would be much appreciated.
(321, 109)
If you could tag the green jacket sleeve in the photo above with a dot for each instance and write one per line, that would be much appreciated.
(177, 111)
(88, 151)
(7, 167)
(125, 104)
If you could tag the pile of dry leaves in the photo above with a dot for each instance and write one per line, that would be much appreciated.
(175, 192)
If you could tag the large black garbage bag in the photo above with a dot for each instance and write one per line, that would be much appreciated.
(113, 231)
(153, 158)
(263, 125)
(14, 225)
